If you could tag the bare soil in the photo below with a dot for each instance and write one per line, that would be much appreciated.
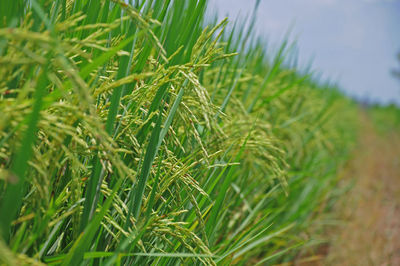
(369, 214)
(370, 234)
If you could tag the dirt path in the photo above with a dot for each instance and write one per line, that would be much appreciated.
(371, 211)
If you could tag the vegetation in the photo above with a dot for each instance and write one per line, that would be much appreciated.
(149, 134)
(385, 118)
(396, 72)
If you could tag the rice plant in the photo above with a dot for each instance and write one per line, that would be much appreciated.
(147, 133)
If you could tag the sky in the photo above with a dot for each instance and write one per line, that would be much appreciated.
(352, 42)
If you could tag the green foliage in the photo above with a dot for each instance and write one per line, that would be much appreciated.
(386, 119)
(145, 134)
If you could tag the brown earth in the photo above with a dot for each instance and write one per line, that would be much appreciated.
(371, 211)
(369, 231)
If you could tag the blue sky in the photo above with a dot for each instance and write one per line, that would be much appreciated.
(353, 42)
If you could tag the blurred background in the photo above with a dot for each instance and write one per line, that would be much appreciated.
(353, 43)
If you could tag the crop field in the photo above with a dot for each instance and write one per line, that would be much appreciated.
(150, 133)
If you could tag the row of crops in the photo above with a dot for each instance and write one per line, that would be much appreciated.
(149, 133)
